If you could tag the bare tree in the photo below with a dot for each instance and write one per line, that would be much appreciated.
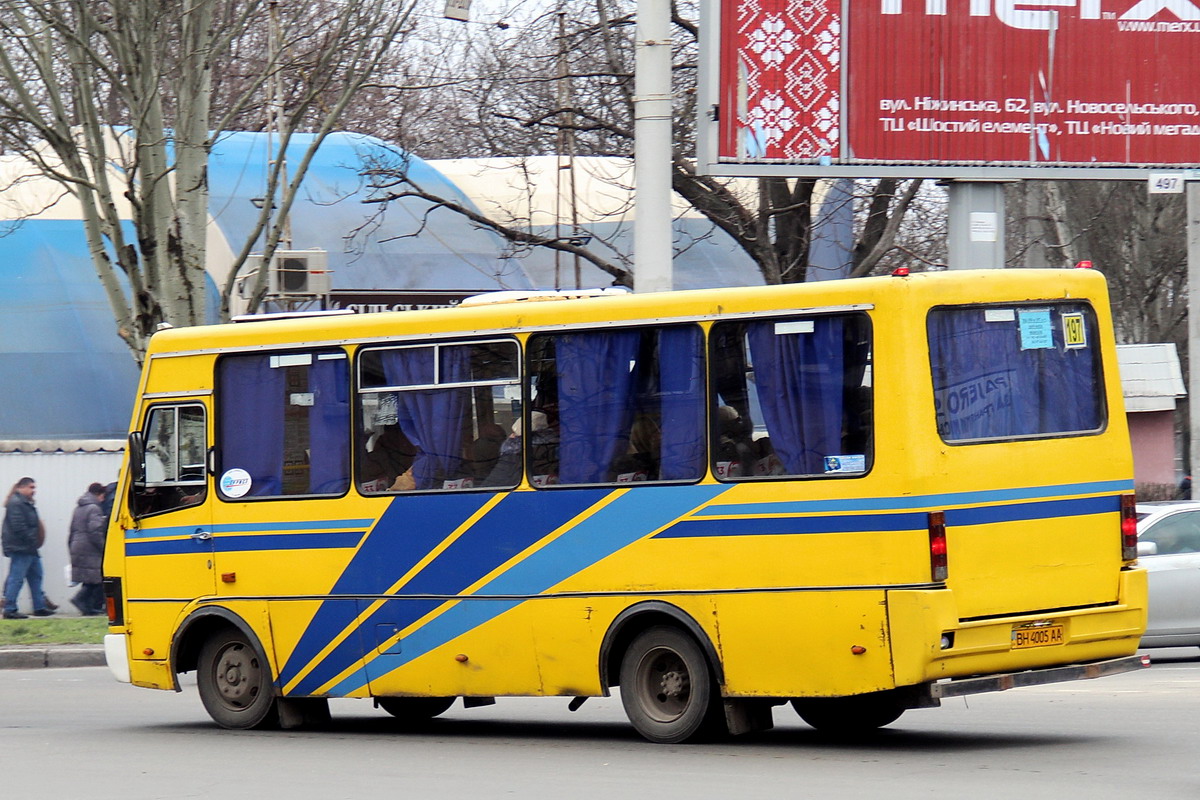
(561, 82)
(1136, 239)
(116, 101)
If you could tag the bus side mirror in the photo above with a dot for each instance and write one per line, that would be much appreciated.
(137, 457)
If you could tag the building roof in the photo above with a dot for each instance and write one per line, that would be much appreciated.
(1151, 378)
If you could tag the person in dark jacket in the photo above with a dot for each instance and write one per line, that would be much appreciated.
(87, 550)
(21, 539)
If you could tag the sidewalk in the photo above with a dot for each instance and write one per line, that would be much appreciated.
(19, 656)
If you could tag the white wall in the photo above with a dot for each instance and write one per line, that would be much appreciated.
(62, 478)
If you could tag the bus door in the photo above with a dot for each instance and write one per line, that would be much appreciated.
(168, 527)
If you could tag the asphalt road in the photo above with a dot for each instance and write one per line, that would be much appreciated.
(67, 733)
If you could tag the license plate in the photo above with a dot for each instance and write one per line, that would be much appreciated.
(1041, 636)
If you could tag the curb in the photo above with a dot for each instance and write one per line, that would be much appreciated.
(54, 656)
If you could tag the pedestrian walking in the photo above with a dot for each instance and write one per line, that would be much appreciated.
(21, 538)
(86, 544)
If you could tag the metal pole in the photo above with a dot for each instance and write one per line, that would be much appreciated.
(976, 235)
(652, 147)
(1193, 354)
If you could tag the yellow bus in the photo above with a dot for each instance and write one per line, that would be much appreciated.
(856, 497)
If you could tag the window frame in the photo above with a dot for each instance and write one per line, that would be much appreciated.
(621, 326)
(359, 389)
(218, 466)
(202, 482)
(862, 313)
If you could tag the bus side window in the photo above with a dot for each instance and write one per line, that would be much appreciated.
(173, 460)
(283, 424)
(619, 406)
(791, 397)
(436, 417)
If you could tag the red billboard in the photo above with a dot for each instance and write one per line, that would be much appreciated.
(1053, 83)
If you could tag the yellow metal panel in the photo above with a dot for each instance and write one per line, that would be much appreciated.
(151, 674)
(152, 627)
(803, 643)
(191, 374)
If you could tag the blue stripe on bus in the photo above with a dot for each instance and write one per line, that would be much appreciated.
(630, 517)
(516, 522)
(230, 544)
(905, 521)
(1023, 512)
(917, 501)
(774, 526)
(409, 528)
(249, 527)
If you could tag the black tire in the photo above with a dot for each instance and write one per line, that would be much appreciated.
(667, 687)
(235, 682)
(857, 715)
(415, 709)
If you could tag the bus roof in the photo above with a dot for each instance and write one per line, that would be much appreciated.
(958, 287)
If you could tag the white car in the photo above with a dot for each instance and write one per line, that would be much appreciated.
(1169, 549)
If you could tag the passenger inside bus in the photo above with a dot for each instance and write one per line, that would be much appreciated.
(388, 455)
(485, 451)
(543, 449)
(735, 454)
(640, 462)
(507, 470)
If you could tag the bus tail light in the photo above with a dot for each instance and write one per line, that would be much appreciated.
(113, 601)
(1129, 537)
(938, 563)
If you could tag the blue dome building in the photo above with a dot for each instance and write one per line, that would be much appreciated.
(68, 375)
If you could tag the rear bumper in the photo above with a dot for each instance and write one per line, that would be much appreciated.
(930, 643)
(933, 693)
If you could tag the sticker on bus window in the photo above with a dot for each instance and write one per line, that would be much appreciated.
(999, 315)
(235, 483)
(848, 463)
(1036, 331)
(795, 326)
(1074, 331)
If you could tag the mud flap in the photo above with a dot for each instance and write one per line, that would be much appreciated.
(747, 715)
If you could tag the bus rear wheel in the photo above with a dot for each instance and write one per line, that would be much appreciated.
(857, 715)
(235, 682)
(414, 709)
(667, 688)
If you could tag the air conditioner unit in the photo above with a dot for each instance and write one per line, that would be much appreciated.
(299, 273)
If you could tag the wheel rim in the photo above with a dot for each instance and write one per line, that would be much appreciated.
(664, 685)
(237, 676)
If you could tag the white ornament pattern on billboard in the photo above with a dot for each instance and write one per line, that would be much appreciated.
(789, 69)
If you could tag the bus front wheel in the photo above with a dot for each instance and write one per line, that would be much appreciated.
(666, 686)
(235, 682)
(849, 716)
(414, 709)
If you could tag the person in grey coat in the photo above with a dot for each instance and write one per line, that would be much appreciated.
(87, 550)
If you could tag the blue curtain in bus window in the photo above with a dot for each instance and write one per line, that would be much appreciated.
(432, 419)
(329, 427)
(681, 384)
(596, 376)
(251, 421)
(991, 379)
(799, 380)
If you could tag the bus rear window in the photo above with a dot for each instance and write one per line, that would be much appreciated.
(1007, 372)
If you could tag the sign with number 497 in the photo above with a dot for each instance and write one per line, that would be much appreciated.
(1166, 183)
